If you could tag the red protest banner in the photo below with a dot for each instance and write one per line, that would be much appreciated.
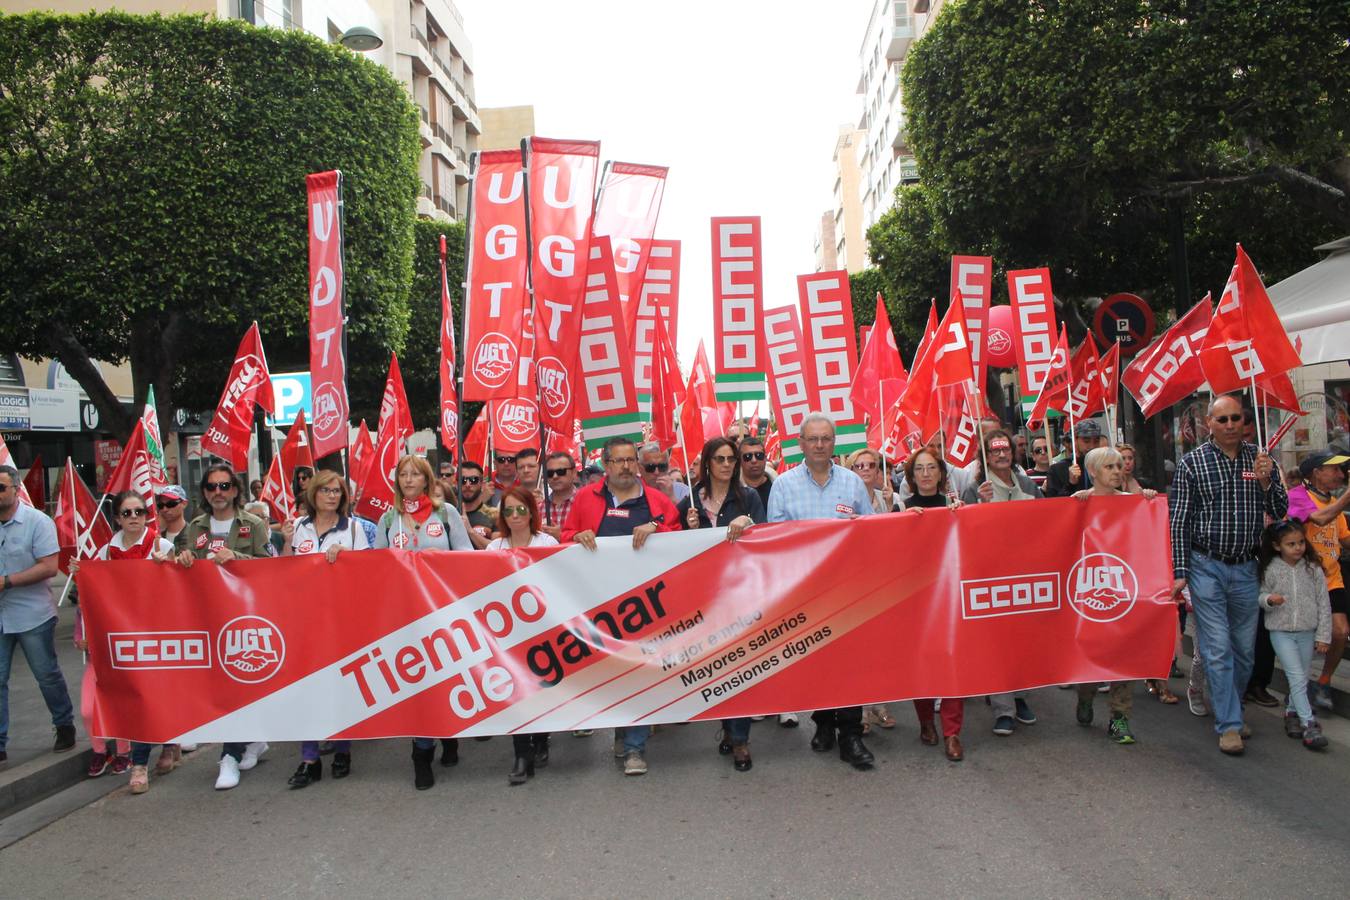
(560, 187)
(327, 360)
(790, 387)
(738, 308)
(658, 306)
(495, 301)
(626, 212)
(555, 639)
(830, 345)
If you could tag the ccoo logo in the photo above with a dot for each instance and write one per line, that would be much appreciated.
(251, 649)
(1101, 587)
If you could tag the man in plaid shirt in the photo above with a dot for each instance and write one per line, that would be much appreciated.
(1221, 494)
(560, 470)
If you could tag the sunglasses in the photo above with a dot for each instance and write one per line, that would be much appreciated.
(1036, 451)
(218, 486)
(131, 513)
(556, 473)
(751, 457)
(168, 504)
(503, 460)
(1224, 420)
(864, 465)
(655, 467)
(471, 479)
(515, 510)
(725, 460)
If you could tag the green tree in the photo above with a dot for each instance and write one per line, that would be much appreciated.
(152, 197)
(1057, 133)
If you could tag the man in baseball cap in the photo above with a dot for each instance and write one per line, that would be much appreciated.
(171, 505)
(1068, 476)
(1324, 525)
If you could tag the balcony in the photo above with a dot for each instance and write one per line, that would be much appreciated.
(902, 32)
(447, 206)
(900, 143)
(426, 190)
(440, 131)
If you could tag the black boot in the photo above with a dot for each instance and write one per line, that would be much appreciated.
(854, 752)
(523, 768)
(823, 739)
(307, 774)
(449, 751)
(540, 743)
(342, 765)
(423, 777)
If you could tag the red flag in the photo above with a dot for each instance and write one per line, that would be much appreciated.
(7, 459)
(276, 492)
(475, 442)
(376, 490)
(880, 361)
(626, 211)
(972, 285)
(951, 360)
(738, 308)
(395, 400)
(691, 417)
(916, 398)
(249, 385)
(515, 424)
(296, 449)
(1108, 375)
(701, 385)
(1085, 393)
(1246, 340)
(1055, 388)
(35, 483)
(327, 296)
(363, 451)
(658, 305)
(773, 449)
(449, 396)
(665, 388)
(1169, 368)
(1278, 391)
(81, 530)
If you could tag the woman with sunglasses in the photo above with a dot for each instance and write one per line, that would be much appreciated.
(518, 524)
(300, 488)
(329, 530)
(719, 500)
(867, 463)
(421, 521)
(133, 539)
(222, 534)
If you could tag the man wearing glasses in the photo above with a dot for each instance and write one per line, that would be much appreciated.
(755, 468)
(446, 478)
(28, 554)
(561, 471)
(171, 506)
(504, 476)
(620, 505)
(819, 489)
(1040, 461)
(656, 472)
(479, 518)
(1221, 494)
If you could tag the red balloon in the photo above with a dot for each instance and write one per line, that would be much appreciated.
(998, 338)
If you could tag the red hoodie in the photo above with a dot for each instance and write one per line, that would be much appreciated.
(589, 508)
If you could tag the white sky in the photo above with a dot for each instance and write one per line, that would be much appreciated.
(742, 100)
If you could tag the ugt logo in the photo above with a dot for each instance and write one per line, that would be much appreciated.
(494, 359)
(251, 649)
(1101, 587)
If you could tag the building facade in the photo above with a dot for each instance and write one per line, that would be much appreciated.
(505, 126)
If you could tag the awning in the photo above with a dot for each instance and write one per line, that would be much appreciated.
(1314, 305)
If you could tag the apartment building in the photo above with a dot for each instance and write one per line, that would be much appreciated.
(423, 43)
(505, 126)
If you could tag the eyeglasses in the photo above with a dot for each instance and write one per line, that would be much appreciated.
(622, 461)
(504, 460)
(751, 457)
(651, 468)
(471, 479)
(1037, 451)
(926, 467)
(556, 473)
(218, 486)
(1224, 420)
(131, 513)
(446, 475)
(515, 510)
(168, 504)
(725, 460)
(865, 466)
(818, 439)
(995, 451)
(331, 491)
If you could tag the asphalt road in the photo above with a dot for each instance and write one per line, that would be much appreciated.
(1053, 811)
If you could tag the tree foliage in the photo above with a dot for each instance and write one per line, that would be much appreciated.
(1056, 134)
(152, 197)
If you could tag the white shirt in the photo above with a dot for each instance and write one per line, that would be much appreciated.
(539, 540)
(346, 533)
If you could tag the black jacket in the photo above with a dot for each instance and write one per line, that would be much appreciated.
(747, 503)
(1057, 482)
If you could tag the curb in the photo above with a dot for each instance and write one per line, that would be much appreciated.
(27, 783)
(1279, 683)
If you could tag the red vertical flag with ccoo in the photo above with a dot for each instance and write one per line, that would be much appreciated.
(1169, 368)
(327, 298)
(738, 308)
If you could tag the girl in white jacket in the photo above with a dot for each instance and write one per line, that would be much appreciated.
(1298, 617)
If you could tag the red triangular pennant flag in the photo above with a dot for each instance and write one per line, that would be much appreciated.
(1055, 391)
(880, 361)
(1169, 368)
(276, 492)
(249, 386)
(1246, 340)
(35, 483)
(1085, 394)
(81, 530)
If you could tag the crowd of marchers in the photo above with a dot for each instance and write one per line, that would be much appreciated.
(1256, 558)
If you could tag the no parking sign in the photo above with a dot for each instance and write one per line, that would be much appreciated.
(1126, 318)
(291, 390)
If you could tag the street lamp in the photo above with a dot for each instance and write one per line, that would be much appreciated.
(361, 39)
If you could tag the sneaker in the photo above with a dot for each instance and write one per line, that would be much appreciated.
(98, 764)
(1003, 726)
(618, 746)
(229, 774)
(756, 718)
(1230, 742)
(1083, 713)
(1320, 695)
(1119, 730)
(251, 754)
(140, 780)
(1292, 726)
(583, 732)
(1024, 713)
(1104, 688)
(1196, 700)
(1313, 738)
(634, 764)
(120, 764)
(188, 748)
(787, 720)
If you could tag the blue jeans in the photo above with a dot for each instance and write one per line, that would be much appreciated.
(1295, 651)
(309, 750)
(635, 737)
(738, 730)
(39, 648)
(1224, 598)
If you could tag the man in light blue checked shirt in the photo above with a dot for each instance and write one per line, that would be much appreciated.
(819, 489)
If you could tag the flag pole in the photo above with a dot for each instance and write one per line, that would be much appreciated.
(984, 461)
(79, 542)
(1256, 413)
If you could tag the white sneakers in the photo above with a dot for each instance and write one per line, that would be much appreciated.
(787, 720)
(229, 774)
(251, 754)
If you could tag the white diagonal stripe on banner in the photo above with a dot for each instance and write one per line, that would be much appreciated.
(325, 702)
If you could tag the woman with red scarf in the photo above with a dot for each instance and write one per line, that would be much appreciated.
(420, 521)
(132, 540)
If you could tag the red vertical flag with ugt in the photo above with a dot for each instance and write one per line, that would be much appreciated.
(449, 396)
(249, 385)
(327, 350)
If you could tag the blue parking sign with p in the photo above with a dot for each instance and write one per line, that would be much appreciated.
(291, 390)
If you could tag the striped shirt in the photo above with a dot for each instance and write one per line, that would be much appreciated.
(797, 495)
(1217, 504)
